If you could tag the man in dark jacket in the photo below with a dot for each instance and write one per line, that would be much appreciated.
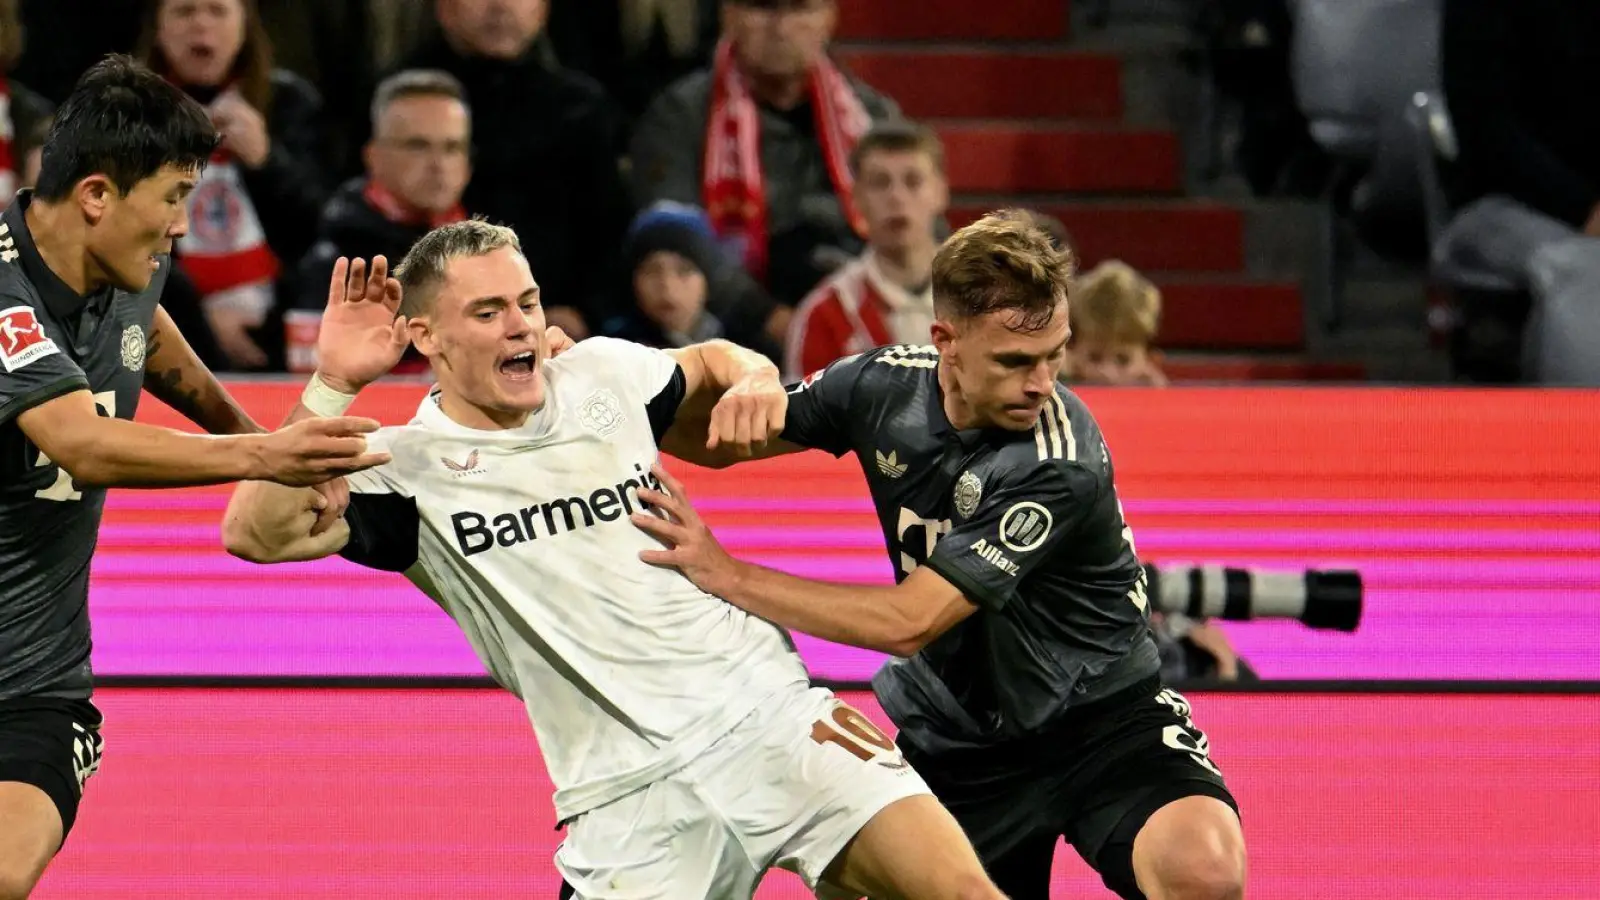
(417, 167)
(779, 198)
(547, 146)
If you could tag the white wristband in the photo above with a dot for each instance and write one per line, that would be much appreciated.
(324, 400)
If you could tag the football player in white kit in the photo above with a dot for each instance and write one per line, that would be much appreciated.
(689, 752)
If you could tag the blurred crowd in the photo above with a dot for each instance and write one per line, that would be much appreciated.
(677, 170)
(1445, 133)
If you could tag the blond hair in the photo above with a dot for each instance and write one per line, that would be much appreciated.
(1114, 302)
(1003, 261)
(426, 263)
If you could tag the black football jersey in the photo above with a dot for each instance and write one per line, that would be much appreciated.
(54, 341)
(1027, 524)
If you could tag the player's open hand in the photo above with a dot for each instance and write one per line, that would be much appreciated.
(691, 548)
(312, 451)
(750, 414)
(363, 334)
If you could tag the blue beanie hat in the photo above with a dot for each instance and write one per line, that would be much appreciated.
(676, 227)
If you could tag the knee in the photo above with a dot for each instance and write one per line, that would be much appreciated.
(1214, 875)
(1191, 850)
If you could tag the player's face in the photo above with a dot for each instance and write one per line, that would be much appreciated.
(485, 336)
(201, 39)
(670, 290)
(420, 152)
(779, 38)
(900, 194)
(1001, 376)
(136, 227)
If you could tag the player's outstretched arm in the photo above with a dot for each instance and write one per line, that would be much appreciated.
(177, 377)
(900, 620)
(361, 338)
(272, 523)
(734, 407)
(104, 452)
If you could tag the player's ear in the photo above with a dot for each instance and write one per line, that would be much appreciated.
(93, 194)
(943, 334)
(422, 335)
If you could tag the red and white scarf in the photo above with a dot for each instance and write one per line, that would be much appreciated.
(8, 136)
(392, 208)
(733, 187)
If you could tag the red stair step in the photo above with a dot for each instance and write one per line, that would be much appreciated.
(1230, 315)
(993, 83)
(1175, 237)
(1189, 367)
(1003, 158)
(1041, 20)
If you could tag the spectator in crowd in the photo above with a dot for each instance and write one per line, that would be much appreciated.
(28, 151)
(682, 289)
(547, 143)
(1195, 650)
(886, 295)
(633, 47)
(763, 141)
(22, 112)
(1116, 313)
(1518, 78)
(417, 168)
(257, 203)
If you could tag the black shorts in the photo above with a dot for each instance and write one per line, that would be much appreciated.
(1094, 779)
(52, 744)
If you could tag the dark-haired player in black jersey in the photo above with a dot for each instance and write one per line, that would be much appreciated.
(1026, 690)
(83, 259)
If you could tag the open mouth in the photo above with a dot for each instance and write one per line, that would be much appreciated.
(519, 367)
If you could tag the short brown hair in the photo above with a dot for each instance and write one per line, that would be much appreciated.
(428, 260)
(414, 83)
(1003, 261)
(1113, 302)
(897, 136)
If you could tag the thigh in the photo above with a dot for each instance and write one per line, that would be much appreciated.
(55, 746)
(660, 843)
(1154, 755)
(912, 848)
(799, 781)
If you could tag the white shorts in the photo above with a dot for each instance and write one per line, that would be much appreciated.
(787, 788)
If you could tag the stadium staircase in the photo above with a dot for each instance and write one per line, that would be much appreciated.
(1030, 115)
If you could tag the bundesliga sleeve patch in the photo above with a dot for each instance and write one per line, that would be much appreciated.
(22, 338)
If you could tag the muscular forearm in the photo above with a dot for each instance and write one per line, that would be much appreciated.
(130, 454)
(267, 522)
(857, 615)
(727, 364)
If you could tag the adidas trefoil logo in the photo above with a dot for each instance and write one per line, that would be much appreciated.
(889, 465)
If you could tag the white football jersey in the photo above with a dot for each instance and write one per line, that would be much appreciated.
(628, 671)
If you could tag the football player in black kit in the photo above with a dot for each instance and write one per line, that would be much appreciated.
(83, 259)
(1026, 688)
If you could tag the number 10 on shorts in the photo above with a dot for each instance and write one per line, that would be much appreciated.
(854, 732)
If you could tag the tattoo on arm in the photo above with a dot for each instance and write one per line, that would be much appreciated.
(218, 415)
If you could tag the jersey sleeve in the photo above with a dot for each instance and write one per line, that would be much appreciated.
(649, 376)
(34, 367)
(1014, 530)
(820, 414)
(384, 524)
